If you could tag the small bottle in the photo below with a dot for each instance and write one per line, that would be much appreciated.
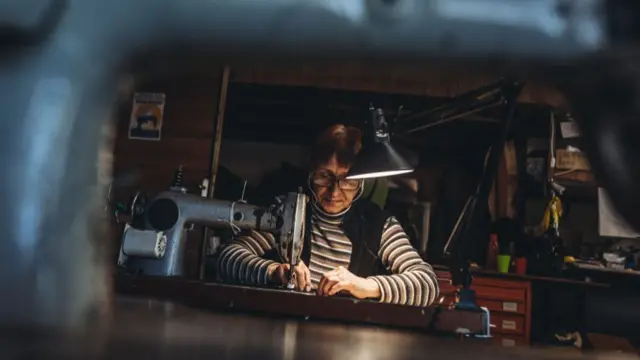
(492, 253)
(553, 241)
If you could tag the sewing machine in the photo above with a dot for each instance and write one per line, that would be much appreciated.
(160, 251)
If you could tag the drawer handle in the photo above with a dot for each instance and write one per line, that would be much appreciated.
(510, 306)
(508, 325)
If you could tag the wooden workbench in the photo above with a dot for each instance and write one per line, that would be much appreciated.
(144, 328)
(216, 296)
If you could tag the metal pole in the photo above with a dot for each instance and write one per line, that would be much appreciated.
(215, 160)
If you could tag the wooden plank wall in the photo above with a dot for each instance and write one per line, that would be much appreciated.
(187, 135)
(188, 130)
(365, 76)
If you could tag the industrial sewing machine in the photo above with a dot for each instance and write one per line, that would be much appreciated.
(160, 250)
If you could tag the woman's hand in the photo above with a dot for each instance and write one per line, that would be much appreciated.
(340, 279)
(279, 275)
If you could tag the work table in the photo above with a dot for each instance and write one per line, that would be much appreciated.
(145, 328)
(216, 296)
(508, 297)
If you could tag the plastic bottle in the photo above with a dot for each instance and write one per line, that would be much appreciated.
(492, 253)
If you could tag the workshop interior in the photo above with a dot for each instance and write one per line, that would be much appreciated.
(499, 197)
(164, 198)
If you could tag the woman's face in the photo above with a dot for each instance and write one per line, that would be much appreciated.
(334, 192)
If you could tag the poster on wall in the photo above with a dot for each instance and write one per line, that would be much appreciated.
(146, 116)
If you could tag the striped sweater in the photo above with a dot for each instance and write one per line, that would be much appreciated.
(413, 281)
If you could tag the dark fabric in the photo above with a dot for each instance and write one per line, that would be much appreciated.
(287, 178)
(459, 181)
(363, 224)
(369, 196)
(306, 246)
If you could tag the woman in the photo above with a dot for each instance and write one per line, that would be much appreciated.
(351, 246)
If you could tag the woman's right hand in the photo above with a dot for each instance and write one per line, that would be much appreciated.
(302, 277)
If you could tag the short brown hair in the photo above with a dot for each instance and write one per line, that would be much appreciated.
(343, 142)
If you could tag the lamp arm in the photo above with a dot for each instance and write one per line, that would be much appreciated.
(461, 237)
(466, 104)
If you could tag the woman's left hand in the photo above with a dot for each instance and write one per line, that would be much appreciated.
(340, 279)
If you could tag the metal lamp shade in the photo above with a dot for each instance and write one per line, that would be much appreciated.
(379, 159)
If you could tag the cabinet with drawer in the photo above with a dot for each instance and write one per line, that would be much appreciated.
(508, 301)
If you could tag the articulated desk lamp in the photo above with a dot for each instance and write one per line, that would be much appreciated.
(378, 158)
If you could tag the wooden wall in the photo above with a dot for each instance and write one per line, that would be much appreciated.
(415, 80)
(430, 79)
(187, 135)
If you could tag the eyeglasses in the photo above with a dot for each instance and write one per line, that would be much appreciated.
(326, 178)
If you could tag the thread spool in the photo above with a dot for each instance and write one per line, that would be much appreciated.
(177, 177)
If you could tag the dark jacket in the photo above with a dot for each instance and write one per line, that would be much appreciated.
(363, 224)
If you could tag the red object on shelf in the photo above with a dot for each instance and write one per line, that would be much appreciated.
(492, 253)
(521, 266)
